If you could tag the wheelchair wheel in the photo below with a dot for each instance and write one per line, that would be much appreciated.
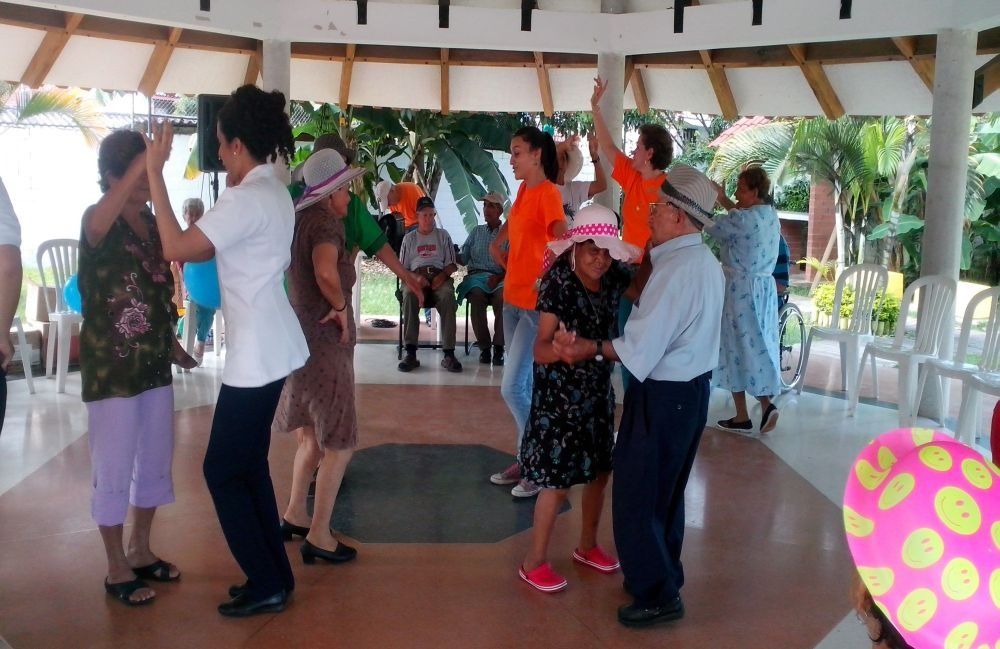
(791, 337)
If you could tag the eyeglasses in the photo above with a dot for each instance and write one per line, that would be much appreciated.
(652, 206)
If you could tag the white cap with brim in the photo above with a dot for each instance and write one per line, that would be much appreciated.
(382, 194)
(494, 197)
(324, 173)
(593, 223)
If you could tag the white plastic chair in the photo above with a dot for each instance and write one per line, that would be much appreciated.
(936, 301)
(868, 282)
(968, 413)
(24, 353)
(58, 257)
(957, 368)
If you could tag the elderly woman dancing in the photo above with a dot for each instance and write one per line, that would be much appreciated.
(748, 358)
(569, 436)
(318, 399)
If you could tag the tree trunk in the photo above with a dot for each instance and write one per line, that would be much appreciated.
(839, 225)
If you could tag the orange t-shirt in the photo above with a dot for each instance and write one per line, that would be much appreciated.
(407, 205)
(639, 194)
(529, 226)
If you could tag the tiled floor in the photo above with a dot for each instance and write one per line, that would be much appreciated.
(765, 555)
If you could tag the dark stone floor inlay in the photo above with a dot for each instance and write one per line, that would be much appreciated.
(429, 493)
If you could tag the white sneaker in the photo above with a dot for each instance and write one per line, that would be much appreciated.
(525, 489)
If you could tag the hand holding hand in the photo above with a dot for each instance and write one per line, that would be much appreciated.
(158, 147)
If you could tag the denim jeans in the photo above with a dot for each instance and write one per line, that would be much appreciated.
(520, 328)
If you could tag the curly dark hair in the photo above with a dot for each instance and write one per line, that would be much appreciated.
(259, 120)
(117, 152)
(657, 138)
(538, 139)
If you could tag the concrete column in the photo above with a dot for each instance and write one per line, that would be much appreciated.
(611, 68)
(948, 164)
(277, 66)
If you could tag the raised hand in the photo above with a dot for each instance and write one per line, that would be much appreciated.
(593, 145)
(158, 147)
(599, 87)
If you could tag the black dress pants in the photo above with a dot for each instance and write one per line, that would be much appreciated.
(661, 426)
(239, 480)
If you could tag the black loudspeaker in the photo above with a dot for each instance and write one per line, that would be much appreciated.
(208, 141)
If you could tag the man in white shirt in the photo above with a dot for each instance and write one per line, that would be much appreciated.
(670, 345)
(10, 287)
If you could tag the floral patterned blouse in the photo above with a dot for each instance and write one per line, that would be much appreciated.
(128, 316)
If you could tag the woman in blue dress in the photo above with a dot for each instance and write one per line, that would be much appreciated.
(748, 236)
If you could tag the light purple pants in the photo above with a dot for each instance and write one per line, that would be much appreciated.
(131, 452)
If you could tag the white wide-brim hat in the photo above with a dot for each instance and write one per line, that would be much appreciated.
(382, 190)
(691, 191)
(593, 223)
(324, 172)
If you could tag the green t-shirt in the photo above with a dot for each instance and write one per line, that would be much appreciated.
(361, 230)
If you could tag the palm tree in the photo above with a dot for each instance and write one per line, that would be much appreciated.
(71, 103)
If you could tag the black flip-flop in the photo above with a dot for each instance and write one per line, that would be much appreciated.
(159, 570)
(732, 424)
(769, 419)
(123, 592)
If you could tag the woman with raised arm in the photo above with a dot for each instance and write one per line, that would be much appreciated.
(249, 231)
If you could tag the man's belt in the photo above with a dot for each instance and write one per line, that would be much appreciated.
(428, 271)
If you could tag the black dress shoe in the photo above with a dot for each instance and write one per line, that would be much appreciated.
(288, 530)
(343, 553)
(633, 615)
(243, 606)
(238, 589)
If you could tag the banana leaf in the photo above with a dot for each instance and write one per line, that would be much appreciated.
(458, 178)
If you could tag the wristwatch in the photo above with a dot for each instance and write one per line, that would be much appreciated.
(599, 356)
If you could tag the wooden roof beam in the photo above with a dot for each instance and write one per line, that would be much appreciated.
(157, 63)
(720, 84)
(49, 50)
(445, 83)
(987, 81)
(254, 66)
(818, 82)
(544, 87)
(346, 70)
(924, 66)
(633, 77)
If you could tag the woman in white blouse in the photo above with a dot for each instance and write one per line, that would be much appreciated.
(249, 232)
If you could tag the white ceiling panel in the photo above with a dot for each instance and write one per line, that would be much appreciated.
(571, 87)
(882, 88)
(100, 63)
(496, 90)
(19, 46)
(688, 90)
(772, 91)
(392, 85)
(192, 72)
(316, 80)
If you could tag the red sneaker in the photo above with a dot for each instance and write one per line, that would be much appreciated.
(544, 578)
(598, 559)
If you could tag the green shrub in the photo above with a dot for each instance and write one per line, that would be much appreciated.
(793, 197)
(823, 300)
(888, 312)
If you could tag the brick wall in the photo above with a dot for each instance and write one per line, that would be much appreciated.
(795, 233)
(822, 221)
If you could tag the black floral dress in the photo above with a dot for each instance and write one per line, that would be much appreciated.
(569, 436)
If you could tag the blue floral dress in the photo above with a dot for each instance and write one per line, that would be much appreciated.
(748, 354)
(569, 436)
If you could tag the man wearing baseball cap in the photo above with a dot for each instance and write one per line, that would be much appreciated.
(670, 345)
(483, 285)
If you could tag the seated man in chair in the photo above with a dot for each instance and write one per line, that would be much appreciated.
(429, 252)
(483, 286)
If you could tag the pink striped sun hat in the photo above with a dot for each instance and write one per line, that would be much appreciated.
(592, 223)
(922, 516)
(324, 172)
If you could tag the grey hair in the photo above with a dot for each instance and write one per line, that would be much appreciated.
(193, 206)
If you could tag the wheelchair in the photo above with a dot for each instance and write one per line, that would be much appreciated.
(791, 338)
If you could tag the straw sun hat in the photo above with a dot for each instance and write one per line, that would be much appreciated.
(324, 172)
(593, 223)
(691, 191)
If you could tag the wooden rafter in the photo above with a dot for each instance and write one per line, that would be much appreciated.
(818, 82)
(254, 66)
(346, 71)
(923, 66)
(445, 83)
(720, 84)
(544, 88)
(639, 91)
(987, 81)
(157, 63)
(49, 50)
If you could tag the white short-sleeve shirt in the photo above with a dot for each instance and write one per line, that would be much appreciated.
(10, 228)
(251, 227)
(574, 194)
